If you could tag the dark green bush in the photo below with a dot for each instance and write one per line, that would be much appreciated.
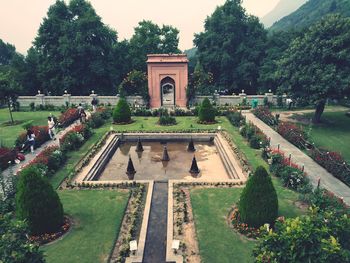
(122, 113)
(167, 120)
(258, 203)
(96, 120)
(206, 112)
(235, 118)
(37, 202)
(254, 142)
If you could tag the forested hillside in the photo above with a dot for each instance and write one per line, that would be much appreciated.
(312, 11)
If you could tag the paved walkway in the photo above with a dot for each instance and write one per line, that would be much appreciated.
(314, 170)
(29, 156)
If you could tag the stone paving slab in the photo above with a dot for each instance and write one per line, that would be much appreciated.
(314, 170)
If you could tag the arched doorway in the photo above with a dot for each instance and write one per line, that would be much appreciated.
(167, 91)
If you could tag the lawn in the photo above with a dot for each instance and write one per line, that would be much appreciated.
(97, 216)
(333, 133)
(217, 242)
(9, 134)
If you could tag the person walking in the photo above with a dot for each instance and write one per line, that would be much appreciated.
(94, 104)
(51, 127)
(31, 139)
(82, 116)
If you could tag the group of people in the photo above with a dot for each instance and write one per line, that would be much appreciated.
(30, 138)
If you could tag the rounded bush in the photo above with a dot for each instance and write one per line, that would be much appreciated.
(122, 113)
(206, 112)
(258, 203)
(37, 202)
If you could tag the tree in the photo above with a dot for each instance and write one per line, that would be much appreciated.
(122, 113)
(200, 82)
(7, 52)
(277, 43)
(232, 47)
(316, 66)
(318, 237)
(258, 204)
(14, 244)
(9, 89)
(37, 202)
(76, 50)
(135, 83)
(206, 112)
(149, 38)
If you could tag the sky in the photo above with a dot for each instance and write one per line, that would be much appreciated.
(20, 19)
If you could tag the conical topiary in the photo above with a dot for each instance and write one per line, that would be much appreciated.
(194, 167)
(122, 113)
(190, 146)
(37, 202)
(165, 157)
(258, 203)
(130, 170)
(139, 147)
(206, 112)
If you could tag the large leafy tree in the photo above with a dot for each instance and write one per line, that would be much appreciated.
(7, 52)
(232, 47)
(76, 50)
(316, 66)
(149, 38)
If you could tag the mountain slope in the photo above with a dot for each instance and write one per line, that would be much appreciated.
(311, 12)
(282, 9)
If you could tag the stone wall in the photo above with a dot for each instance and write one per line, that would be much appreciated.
(41, 99)
(232, 100)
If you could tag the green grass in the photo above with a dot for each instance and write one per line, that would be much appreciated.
(97, 216)
(333, 133)
(217, 242)
(9, 134)
(75, 156)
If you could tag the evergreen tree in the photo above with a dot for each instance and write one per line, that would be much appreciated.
(206, 111)
(122, 113)
(37, 202)
(258, 203)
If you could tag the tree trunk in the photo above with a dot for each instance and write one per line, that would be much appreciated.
(9, 105)
(319, 110)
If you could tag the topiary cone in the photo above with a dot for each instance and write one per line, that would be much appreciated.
(258, 202)
(130, 170)
(194, 167)
(190, 146)
(139, 147)
(165, 157)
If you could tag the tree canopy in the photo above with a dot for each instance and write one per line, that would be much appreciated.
(316, 65)
(232, 47)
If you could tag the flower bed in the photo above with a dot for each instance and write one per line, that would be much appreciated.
(47, 238)
(7, 156)
(264, 114)
(41, 136)
(292, 175)
(74, 138)
(293, 134)
(334, 163)
(68, 117)
(256, 138)
(243, 228)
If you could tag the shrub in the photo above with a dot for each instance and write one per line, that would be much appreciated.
(37, 202)
(254, 142)
(206, 112)
(7, 156)
(264, 114)
(165, 118)
(327, 201)
(96, 120)
(235, 118)
(334, 163)
(258, 203)
(14, 244)
(319, 237)
(122, 113)
(292, 133)
(68, 117)
(32, 106)
(71, 141)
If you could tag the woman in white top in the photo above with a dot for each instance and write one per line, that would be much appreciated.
(31, 139)
(51, 126)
